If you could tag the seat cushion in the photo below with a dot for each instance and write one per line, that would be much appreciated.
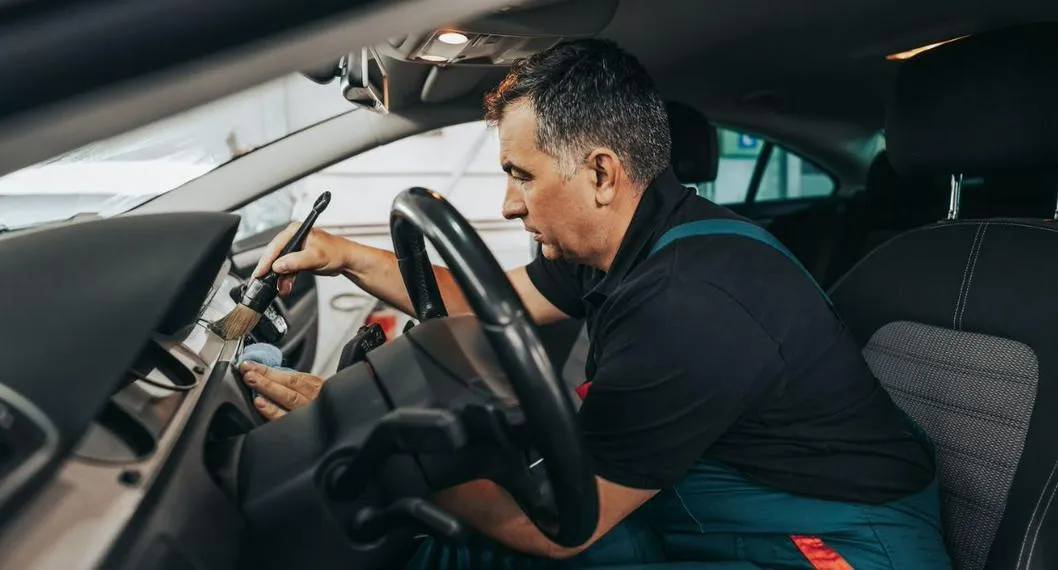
(974, 394)
(959, 320)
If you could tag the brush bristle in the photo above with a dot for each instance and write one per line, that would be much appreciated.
(238, 323)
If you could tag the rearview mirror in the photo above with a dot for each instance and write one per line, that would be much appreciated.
(364, 80)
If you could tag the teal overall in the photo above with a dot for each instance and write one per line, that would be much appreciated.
(715, 518)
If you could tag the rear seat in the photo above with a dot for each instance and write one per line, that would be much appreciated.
(889, 205)
(893, 203)
(830, 237)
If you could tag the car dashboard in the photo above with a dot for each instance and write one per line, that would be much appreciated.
(130, 486)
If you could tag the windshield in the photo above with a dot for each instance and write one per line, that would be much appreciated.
(114, 175)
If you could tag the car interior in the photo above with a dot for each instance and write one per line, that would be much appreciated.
(128, 441)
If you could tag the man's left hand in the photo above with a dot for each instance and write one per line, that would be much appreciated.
(282, 390)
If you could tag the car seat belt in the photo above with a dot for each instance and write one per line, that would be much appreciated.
(732, 227)
(724, 227)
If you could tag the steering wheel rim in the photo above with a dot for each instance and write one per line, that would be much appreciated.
(418, 212)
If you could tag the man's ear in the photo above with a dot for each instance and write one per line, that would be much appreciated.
(606, 169)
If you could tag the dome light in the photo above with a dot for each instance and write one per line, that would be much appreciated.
(452, 38)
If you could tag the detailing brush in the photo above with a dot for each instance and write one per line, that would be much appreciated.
(261, 292)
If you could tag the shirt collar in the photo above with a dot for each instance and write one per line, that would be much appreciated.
(650, 220)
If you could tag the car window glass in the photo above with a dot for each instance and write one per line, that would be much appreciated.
(460, 162)
(113, 175)
(786, 176)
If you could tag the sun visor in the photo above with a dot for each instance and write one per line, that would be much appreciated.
(985, 104)
(500, 38)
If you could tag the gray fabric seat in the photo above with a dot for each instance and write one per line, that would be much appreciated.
(959, 319)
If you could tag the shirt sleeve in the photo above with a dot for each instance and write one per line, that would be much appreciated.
(560, 283)
(678, 367)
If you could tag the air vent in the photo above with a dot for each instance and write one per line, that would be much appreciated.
(159, 369)
(115, 437)
(127, 429)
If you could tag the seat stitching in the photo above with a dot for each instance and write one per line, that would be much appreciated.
(980, 461)
(932, 227)
(1003, 421)
(1036, 533)
(965, 272)
(1036, 509)
(991, 512)
(1010, 378)
(973, 270)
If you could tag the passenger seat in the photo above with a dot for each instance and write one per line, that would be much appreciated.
(959, 319)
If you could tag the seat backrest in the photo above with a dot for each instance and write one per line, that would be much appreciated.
(959, 319)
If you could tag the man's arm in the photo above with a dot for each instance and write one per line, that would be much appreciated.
(490, 509)
(376, 271)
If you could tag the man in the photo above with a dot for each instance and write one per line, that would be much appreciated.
(730, 416)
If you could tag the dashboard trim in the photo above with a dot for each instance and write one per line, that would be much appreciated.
(78, 516)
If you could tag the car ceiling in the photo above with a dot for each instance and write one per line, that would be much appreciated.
(823, 58)
(800, 69)
(812, 75)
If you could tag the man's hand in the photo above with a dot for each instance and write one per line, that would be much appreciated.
(322, 254)
(283, 390)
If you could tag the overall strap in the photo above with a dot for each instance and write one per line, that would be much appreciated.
(730, 227)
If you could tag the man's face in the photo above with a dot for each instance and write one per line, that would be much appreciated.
(558, 212)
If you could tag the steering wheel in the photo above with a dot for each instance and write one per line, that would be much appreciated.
(546, 404)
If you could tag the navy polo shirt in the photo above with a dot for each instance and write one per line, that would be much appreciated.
(719, 347)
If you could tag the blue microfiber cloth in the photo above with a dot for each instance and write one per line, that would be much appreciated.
(264, 354)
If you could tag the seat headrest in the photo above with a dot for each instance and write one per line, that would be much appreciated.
(695, 144)
(985, 104)
(904, 201)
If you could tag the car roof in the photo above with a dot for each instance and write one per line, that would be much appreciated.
(813, 74)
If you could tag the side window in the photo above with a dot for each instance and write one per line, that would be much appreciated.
(785, 176)
(788, 176)
(460, 162)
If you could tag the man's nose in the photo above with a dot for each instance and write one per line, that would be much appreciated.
(514, 204)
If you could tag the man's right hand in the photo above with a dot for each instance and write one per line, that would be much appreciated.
(322, 254)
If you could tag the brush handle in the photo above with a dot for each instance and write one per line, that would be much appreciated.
(271, 279)
(298, 241)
